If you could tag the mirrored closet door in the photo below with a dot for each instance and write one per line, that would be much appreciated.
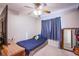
(69, 38)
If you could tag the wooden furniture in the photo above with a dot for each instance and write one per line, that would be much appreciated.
(76, 50)
(13, 50)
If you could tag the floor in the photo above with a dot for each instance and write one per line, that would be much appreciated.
(53, 50)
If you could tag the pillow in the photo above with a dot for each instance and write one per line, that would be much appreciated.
(36, 37)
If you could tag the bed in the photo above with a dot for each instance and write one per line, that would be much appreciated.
(32, 45)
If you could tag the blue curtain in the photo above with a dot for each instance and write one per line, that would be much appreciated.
(56, 28)
(46, 28)
(51, 28)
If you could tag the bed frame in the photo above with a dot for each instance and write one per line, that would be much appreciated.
(38, 48)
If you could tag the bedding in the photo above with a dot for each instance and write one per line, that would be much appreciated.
(36, 37)
(32, 43)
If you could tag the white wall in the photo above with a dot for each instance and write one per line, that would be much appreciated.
(20, 25)
(39, 26)
(70, 20)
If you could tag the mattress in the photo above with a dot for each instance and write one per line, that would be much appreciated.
(31, 44)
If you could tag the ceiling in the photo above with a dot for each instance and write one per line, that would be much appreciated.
(19, 7)
(58, 6)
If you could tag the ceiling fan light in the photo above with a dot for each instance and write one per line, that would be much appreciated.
(40, 7)
(37, 12)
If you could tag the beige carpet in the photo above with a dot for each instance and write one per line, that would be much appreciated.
(53, 50)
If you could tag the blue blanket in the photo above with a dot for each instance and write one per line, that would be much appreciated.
(31, 44)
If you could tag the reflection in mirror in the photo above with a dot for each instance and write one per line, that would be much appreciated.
(69, 38)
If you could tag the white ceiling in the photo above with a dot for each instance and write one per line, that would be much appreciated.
(19, 7)
(58, 6)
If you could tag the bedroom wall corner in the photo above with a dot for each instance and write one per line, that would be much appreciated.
(21, 26)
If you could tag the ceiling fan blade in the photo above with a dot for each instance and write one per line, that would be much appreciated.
(28, 7)
(37, 4)
(47, 11)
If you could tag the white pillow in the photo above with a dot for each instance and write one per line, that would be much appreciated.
(37, 37)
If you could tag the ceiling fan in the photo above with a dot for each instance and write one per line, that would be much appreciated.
(38, 8)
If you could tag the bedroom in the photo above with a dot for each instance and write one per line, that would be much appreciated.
(23, 24)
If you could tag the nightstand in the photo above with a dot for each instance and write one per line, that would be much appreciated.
(13, 50)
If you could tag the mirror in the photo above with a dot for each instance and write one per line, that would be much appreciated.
(69, 38)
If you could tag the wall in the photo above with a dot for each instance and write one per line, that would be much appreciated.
(38, 26)
(70, 20)
(21, 27)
